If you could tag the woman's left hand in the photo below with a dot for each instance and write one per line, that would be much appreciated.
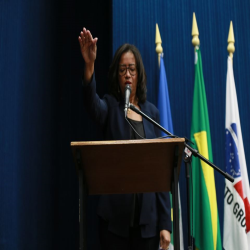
(165, 239)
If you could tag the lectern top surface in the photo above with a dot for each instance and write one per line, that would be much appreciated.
(120, 142)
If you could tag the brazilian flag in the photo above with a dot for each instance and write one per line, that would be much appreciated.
(206, 227)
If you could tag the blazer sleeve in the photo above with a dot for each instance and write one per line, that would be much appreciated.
(164, 211)
(95, 106)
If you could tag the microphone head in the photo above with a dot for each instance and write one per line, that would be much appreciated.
(126, 98)
(127, 87)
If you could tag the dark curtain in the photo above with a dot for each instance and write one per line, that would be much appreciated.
(41, 113)
(29, 126)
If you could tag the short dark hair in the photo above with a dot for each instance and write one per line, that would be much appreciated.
(114, 88)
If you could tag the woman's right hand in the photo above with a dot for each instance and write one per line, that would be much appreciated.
(88, 49)
(88, 46)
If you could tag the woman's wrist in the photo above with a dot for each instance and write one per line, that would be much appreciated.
(88, 72)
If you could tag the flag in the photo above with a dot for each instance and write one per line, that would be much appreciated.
(236, 198)
(206, 228)
(163, 100)
(166, 122)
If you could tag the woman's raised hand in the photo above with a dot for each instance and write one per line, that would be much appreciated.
(88, 46)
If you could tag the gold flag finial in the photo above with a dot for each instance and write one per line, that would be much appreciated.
(195, 32)
(230, 40)
(158, 43)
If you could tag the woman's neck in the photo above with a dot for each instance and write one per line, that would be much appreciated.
(134, 100)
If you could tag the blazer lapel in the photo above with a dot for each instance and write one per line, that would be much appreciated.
(124, 126)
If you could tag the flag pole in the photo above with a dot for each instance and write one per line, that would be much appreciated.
(188, 155)
(236, 234)
(199, 84)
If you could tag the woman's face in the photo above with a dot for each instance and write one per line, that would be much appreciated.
(127, 73)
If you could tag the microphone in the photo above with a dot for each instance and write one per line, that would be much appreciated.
(127, 95)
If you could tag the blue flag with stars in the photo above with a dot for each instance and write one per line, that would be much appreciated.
(232, 155)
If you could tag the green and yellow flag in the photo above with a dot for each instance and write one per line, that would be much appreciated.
(206, 227)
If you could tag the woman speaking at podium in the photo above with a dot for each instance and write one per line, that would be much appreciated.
(126, 221)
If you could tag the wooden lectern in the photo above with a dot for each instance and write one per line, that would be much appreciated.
(129, 166)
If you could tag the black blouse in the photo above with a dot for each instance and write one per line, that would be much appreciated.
(135, 216)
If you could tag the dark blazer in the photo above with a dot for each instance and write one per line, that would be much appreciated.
(155, 214)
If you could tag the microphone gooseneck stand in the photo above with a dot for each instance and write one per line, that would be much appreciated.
(189, 151)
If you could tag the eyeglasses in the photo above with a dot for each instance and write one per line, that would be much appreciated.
(123, 70)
